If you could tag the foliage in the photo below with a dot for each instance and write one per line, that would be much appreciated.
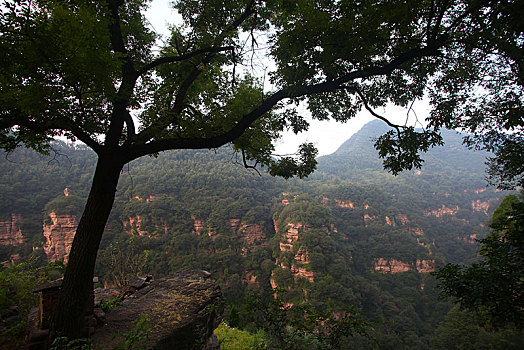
(108, 305)
(63, 343)
(16, 294)
(126, 261)
(236, 339)
(462, 329)
(494, 285)
(210, 187)
(135, 337)
(300, 326)
(71, 204)
(91, 71)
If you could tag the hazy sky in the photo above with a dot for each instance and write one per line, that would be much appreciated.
(326, 135)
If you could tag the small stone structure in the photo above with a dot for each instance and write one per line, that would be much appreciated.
(39, 319)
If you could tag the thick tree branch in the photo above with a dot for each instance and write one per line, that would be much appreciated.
(438, 23)
(266, 105)
(243, 124)
(184, 87)
(178, 105)
(131, 131)
(120, 115)
(64, 124)
(173, 59)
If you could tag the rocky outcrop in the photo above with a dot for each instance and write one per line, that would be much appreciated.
(149, 199)
(478, 205)
(10, 232)
(134, 223)
(471, 239)
(438, 213)
(367, 217)
(398, 266)
(301, 258)
(290, 237)
(252, 235)
(425, 266)
(234, 224)
(198, 226)
(59, 236)
(249, 277)
(184, 309)
(134, 226)
(391, 266)
(416, 231)
(345, 204)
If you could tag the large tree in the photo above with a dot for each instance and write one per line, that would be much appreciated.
(93, 71)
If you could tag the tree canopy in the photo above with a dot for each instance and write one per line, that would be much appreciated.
(494, 285)
(94, 71)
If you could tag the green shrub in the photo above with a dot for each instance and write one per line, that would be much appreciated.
(236, 339)
(17, 297)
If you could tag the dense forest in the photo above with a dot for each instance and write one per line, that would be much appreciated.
(350, 240)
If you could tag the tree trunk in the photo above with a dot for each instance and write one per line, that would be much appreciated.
(68, 317)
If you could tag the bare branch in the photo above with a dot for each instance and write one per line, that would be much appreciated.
(247, 166)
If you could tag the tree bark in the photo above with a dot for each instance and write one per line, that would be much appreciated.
(68, 319)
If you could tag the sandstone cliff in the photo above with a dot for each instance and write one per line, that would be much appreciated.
(300, 259)
(134, 225)
(59, 235)
(397, 266)
(10, 232)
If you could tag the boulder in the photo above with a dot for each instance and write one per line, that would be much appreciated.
(183, 309)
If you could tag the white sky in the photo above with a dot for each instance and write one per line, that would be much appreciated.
(326, 135)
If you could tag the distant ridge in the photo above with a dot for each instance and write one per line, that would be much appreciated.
(357, 160)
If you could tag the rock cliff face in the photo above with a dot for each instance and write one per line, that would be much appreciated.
(478, 205)
(397, 266)
(252, 235)
(59, 236)
(134, 226)
(345, 204)
(440, 212)
(10, 232)
(290, 237)
(301, 257)
(391, 266)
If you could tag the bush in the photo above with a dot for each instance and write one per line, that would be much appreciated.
(236, 339)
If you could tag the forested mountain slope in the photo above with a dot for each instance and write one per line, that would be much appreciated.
(351, 235)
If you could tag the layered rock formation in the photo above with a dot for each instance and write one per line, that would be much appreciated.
(440, 212)
(59, 236)
(345, 204)
(391, 266)
(479, 205)
(290, 237)
(253, 235)
(397, 266)
(134, 225)
(10, 232)
(301, 258)
(184, 309)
